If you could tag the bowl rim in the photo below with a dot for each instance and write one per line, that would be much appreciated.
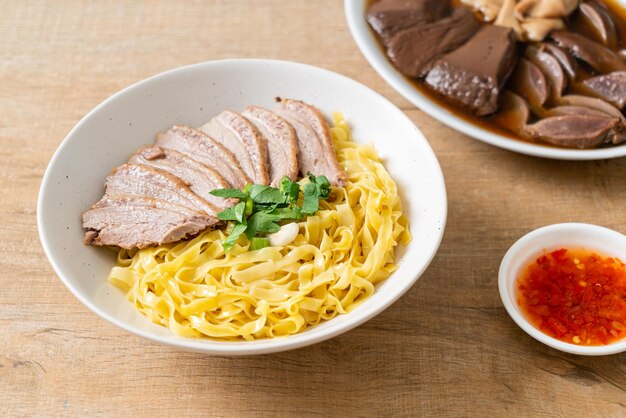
(261, 346)
(533, 240)
(368, 45)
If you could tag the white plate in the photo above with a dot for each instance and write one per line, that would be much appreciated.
(191, 95)
(366, 40)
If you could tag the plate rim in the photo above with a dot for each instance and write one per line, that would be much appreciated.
(262, 346)
(368, 45)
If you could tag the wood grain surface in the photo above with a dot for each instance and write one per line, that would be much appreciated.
(446, 348)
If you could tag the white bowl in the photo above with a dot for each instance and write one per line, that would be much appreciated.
(569, 235)
(191, 95)
(366, 40)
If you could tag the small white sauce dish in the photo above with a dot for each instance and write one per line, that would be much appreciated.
(605, 241)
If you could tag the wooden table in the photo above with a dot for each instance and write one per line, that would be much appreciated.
(446, 348)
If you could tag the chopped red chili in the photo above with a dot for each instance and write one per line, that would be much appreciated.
(576, 296)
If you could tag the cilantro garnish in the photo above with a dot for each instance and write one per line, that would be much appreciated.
(261, 208)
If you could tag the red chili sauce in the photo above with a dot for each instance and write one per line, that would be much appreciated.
(576, 296)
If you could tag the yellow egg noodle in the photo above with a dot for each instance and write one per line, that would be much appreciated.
(338, 257)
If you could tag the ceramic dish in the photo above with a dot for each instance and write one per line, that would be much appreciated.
(191, 95)
(373, 52)
(530, 246)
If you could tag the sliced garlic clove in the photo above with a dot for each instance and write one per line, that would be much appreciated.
(285, 235)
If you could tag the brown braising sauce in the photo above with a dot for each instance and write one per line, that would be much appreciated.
(618, 13)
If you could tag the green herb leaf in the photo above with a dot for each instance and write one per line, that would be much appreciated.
(310, 205)
(240, 208)
(258, 243)
(229, 242)
(266, 195)
(233, 214)
(290, 188)
(262, 222)
(323, 187)
(261, 207)
(287, 213)
(229, 193)
(227, 214)
(321, 183)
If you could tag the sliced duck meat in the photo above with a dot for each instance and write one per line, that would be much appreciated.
(200, 178)
(529, 82)
(201, 147)
(598, 23)
(473, 75)
(388, 17)
(592, 103)
(241, 138)
(414, 50)
(138, 222)
(573, 131)
(513, 113)
(550, 68)
(282, 144)
(317, 153)
(568, 63)
(596, 55)
(609, 87)
(142, 180)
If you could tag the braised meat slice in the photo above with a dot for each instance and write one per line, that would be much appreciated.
(388, 17)
(414, 50)
(574, 131)
(575, 110)
(592, 103)
(616, 135)
(529, 82)
(145, 181)
(137, 221)
(282, 144)
(551, 69)
(513, 113)
(597, 22)
(596, 55)
(317, 153)
(609, 87)
(473, 75)
(200, 178)
(568, 63)
(241, 138)
(199, 146)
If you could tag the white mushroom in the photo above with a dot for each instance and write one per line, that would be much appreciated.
(488, 8)
(544, 8)
(285, 235)
(531, 20)
(506, 18)
(537, 29)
